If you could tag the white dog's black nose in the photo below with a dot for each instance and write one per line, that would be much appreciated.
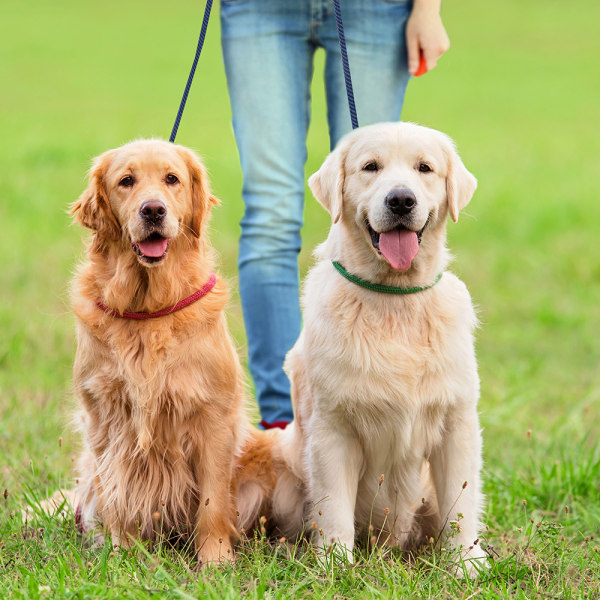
(153, 211)
(400, 201)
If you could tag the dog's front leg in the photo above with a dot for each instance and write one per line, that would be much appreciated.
(334, 463)
(455, 465)
(215, 522)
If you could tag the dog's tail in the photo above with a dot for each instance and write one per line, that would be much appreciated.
(61, 505)
(79, 502)
(267, 486)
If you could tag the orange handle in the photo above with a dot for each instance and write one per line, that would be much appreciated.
(422, 66)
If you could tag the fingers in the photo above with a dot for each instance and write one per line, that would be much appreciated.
(426, 41)
(434, 48)
(414, 52)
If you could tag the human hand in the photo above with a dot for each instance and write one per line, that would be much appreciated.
(426, 35)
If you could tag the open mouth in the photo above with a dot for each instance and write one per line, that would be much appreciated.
(153, 249)
(399, 246)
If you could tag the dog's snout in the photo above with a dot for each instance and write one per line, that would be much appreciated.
(401, 201)
(153, 210)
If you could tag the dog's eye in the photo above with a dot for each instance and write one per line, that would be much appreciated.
(171, 179)
(371, 166)
(127, 181)
(424, 168)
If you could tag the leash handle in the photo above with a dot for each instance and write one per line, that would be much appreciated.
(188, 85)
(345, 63)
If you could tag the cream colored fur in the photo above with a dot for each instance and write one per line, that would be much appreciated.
(387, 384)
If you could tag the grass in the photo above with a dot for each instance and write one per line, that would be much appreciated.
(518, 92)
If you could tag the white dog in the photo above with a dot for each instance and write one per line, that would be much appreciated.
(384, 373)
(385, 443)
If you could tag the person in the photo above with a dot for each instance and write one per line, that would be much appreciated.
(268, 48)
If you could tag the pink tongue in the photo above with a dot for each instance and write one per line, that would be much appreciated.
(154, 248)
(399, 247)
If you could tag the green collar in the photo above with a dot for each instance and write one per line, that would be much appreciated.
(377, 287)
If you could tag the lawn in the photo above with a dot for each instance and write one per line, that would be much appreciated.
(519, 92)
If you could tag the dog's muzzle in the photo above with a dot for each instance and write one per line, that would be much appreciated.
(153, 248)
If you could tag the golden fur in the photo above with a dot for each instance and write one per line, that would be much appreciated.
(384, 384)
(162, 413)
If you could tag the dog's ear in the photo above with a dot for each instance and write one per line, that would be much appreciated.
(92, 209)
(327, 184)
(460, 183)
(202, 199)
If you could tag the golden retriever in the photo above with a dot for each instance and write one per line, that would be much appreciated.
(385, 445)
(156, 374)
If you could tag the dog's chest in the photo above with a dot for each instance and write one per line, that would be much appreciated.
(141, 367)
(391, 357)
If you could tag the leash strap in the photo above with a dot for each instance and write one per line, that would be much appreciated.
(377, 287)
(188, 85)
(345, 63)
(343, 51)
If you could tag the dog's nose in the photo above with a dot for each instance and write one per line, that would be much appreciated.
(153, 210)
(400, 201)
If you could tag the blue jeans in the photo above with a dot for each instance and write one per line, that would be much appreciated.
(268, 48)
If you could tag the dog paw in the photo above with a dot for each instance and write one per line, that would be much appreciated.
(336, 554)
(471, 562)
(215, 552)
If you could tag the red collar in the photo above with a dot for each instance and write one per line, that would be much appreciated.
(140, 316)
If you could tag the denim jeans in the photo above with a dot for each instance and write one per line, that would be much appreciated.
(268, 48)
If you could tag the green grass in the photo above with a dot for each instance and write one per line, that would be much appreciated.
(519, 92)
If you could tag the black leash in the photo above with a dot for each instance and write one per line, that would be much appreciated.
(343, 51)
(345, 63)
(188, 85)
